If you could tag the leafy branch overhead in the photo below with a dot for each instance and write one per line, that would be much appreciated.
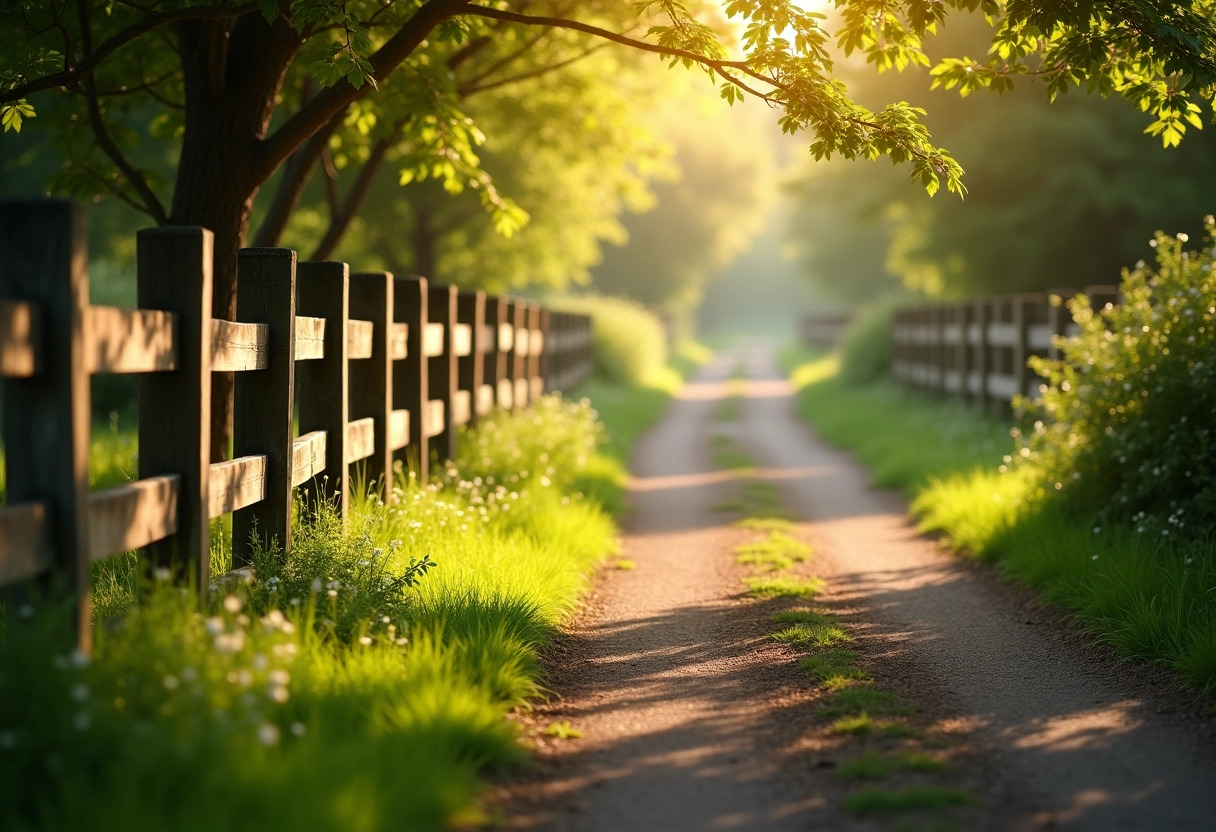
(307, 76)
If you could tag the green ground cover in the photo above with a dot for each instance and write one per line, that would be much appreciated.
(1151, 599)
(362, 683)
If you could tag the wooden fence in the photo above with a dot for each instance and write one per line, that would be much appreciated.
(824, 329)
(378, 365)
(977, 350)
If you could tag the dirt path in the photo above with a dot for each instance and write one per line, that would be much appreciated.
(692, 719)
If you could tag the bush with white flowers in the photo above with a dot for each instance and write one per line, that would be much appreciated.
(1126, 422)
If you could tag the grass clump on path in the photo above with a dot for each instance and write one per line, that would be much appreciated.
(876, 801)
(1149, 597)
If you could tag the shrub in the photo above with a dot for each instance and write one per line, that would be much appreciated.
(1126, 419)
(629, 340)
(865, 348)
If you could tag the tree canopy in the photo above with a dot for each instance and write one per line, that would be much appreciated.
(1061, 195)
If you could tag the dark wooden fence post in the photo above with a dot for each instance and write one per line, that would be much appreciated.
(964, 315)
(495, 367)
(323, 291)
(983, 352)
(442, 370)
(262, 412)
(536, 353)
(506, 344)
(43, 260)
(371, 379)
(519, 353)
(1025, 309)
(180, 444)
(471, 311)
(410, 380)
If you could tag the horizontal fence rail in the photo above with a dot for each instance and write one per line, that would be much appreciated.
(977, 350)
(823, 329)
(333, 369)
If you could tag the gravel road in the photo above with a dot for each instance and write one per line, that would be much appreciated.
(692, 719)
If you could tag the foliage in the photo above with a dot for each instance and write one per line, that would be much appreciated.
(1125, 434)
(705, 214)
(629, 342)
(1105, 186)
(254, 710)
(865, 347)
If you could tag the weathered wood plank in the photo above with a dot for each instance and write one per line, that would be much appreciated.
(263, 411)
(359, 339)
(399, 429)
(371, 381)
(360, 439)
(399, 341)
(1002, 334)
(462, 407)
(323, 291)
(411, 377)
(43, 256)
(310, 338)
(130, 340)
(180, 445)
(434, 342)
(25, 542)
(237, 347)
(236, 483)
(470, 368)
(434, 417)
(462, 340)
(442, 369)
(133, 516)
(485, 399)
(20, 336)
(307, 457)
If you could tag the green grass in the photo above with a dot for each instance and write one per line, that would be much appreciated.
(876, 801)
(874, 765)
(732, 459)
(1152, 601)
(812, 635)
(780, 586)
(352, 685)
(863, 699)
(834, 669)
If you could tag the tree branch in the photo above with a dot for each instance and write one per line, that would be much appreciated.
(473, 89)
(71, 76)
(596, 31)
(274, 149)
(137, 180)
(341, 219)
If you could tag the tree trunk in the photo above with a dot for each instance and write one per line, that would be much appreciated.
(231, 80)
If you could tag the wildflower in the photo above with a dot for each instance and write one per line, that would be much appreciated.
(80, 692)
(26, 611)
(268, 734)
(278, 693)
(232, 604)
(332, 593)
(81, 721)
(162, 574)
(316, 584)
(171, 682)
(365, 641)
(189, 674)
(1097, 529)
(298, 729)
(1095, 557)
(80, 659)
